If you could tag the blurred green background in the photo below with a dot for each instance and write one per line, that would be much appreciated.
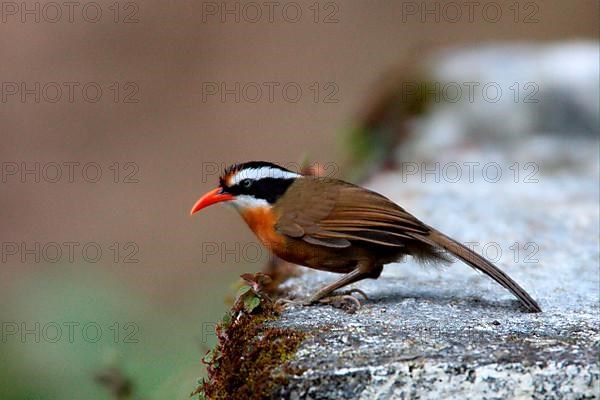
(156, 314)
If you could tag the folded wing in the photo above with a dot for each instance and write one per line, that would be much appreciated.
(333, 213)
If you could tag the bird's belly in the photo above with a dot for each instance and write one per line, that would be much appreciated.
(299, 252)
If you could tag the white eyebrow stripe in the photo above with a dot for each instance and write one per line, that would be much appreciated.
(263, 172)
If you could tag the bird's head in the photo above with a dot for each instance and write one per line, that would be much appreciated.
(249, 185)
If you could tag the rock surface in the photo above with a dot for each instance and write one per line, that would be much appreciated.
(434, 333)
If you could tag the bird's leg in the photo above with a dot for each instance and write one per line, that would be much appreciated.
(362, 271)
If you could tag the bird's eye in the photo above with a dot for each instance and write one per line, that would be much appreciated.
(246, 183)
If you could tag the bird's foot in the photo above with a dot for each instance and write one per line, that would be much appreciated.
(286, 302)
(345, 300)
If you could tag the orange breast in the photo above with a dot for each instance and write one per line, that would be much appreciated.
(262, 222)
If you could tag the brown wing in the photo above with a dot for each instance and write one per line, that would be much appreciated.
(334, 213)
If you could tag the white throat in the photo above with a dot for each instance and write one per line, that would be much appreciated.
(244, 202)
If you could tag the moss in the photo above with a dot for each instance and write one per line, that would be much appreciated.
(249, 359)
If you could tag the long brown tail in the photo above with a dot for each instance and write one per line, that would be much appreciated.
(479, 263)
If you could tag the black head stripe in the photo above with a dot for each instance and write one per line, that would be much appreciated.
(269, 189)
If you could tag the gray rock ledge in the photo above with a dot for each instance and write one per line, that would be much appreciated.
(432, 333)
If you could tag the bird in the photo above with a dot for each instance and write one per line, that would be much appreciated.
(332, 225)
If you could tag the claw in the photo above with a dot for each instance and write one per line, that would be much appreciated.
(346, 302)
(287, 302)
(355, 290)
